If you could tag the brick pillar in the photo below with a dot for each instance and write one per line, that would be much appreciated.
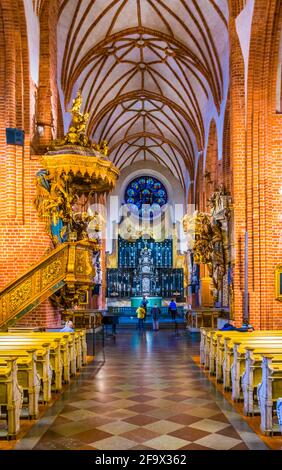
(48, 100)
(238, 157)
(264, 169)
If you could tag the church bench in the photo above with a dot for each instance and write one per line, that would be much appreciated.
(76, 339)
(60, 355)
(27, 376)
(77, 346)
(11, 395)
(42, 363)
(55, 357)
(203, 333)
(239, 361)
(222, 356)
(56, 361)
(217, 346)
(73, 348)
(253, 375)
(233, 361)
(208, 342)
(269, 391)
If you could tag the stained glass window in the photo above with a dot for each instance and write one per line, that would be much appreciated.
(146, 190)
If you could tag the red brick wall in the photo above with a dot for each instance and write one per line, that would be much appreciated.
(23, 239)
(238, 159)
(256, 161)
(48, 99)
(263, 165)
(44, 316)
(226, 173)
(251, 166)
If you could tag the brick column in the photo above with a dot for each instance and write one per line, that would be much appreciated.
(238, 158)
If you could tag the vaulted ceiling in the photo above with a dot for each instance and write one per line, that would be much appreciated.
(152, 74)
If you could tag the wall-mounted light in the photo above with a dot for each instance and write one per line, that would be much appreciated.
(40, 128)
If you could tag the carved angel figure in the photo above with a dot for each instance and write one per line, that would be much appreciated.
(76, 134)
(54, 202)
(203, 239)
(101, 147)
(218, 258)
(80, 223)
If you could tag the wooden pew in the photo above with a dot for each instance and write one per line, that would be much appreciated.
(219, 342)
(252, 376)
(73, 357)
(233, 358)
(42, 363)
(269, 391)
(60, 351)
(32, 355)
(55, 353)
(239, 360)
(27, 376)
(225, 358)
(203, 332)
(11, 395)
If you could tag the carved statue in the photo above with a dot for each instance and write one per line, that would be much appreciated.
(53, 202)
(80, 223)
(217, 202)
(218, 257)
(207, 246)
(101, 147)
(203, 240)
(76, 134)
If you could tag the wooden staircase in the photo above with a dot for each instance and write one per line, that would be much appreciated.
(70, 264)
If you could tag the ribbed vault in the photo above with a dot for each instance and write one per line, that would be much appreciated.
(151, 73)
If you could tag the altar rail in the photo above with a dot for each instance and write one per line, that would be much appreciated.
(131, 312)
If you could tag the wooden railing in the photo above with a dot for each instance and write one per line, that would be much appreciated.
(70, 263)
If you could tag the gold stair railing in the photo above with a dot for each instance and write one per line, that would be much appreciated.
(70, 264)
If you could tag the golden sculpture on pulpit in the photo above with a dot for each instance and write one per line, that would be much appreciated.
(73, 168)
(76, 134)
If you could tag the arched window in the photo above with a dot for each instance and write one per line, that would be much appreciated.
(146, 190)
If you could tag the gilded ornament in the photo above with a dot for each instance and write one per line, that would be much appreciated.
(20, 296)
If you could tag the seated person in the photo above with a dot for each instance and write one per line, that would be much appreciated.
(68, 328)
(247, 325)
(230, 326)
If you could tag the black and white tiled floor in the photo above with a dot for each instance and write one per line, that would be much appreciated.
(146, 393)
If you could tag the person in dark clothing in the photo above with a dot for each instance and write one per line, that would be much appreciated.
(156, 311)
(172, 308)
(144, 304)
(230, 326)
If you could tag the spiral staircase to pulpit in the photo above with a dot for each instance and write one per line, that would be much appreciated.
(72, 168)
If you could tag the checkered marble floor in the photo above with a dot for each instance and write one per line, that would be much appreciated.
(146, 393)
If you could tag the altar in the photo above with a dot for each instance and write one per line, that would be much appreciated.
(145, 267)
(136, 301)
